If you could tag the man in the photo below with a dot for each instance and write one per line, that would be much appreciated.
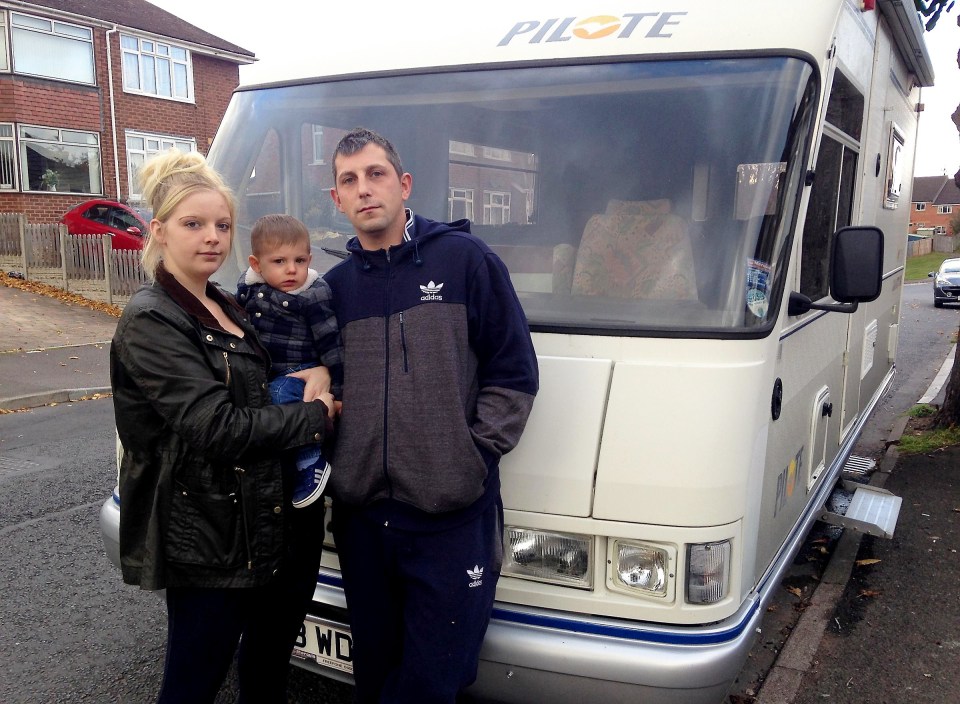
(439, 378)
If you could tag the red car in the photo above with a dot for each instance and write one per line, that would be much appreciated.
(107, 217)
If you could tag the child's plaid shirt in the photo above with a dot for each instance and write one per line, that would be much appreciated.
(297, 328)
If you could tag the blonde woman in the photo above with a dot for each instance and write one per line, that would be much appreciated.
(204, 512)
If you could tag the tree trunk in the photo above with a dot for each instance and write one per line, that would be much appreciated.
(949, 414)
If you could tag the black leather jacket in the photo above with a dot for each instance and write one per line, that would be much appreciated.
(202, 501)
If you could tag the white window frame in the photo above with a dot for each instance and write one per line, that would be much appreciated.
(66, 31)
(462, 148)
(460, 195)
(24, 141)
(153, 51)
(4, 45)
(944, 209)
(8, 149)
(153, 144)
(940, 230)
(920, 206)
(499, 202)
(317, 145)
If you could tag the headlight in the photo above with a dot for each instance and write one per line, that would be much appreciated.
(559, 558)
(708, 572)
(641, 567)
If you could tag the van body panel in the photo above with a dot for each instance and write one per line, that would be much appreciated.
(551, 470)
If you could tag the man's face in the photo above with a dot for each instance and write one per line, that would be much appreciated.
(371, 194)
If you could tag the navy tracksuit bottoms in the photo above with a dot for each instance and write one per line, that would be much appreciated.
(419, 604)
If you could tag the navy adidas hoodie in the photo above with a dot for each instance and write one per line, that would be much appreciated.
(439, 374)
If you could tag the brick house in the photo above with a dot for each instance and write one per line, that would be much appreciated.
(89, 89)
(936, 201)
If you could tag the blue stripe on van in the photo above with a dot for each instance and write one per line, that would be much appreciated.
(673, 637)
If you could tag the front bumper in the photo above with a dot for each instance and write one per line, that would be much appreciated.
(532, 654)
(110, 527)
(946, 293)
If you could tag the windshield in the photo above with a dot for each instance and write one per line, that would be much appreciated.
(625, 198)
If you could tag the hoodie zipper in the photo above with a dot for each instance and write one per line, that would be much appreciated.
(403, 344)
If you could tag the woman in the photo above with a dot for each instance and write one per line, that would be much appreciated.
(204, 513)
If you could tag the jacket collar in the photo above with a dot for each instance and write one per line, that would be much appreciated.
(192, 305)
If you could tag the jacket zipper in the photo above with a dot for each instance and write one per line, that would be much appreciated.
(386, 373)
(403, 345)
(226, 360)
(243, 511)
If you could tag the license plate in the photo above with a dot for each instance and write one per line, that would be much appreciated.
(326, 643)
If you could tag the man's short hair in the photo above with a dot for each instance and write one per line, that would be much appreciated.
(277, 230)
(359, 137)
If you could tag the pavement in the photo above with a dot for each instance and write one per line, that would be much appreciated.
(882, 626)
(51, 351)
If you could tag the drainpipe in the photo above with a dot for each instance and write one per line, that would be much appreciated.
(113, 113)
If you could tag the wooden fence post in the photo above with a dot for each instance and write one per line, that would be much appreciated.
(22, 225)
(108, 266)
(62, 237)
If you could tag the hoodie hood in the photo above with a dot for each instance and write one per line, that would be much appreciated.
(418, 229)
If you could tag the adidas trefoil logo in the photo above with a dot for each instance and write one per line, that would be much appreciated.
(476, 575)
(431, 292)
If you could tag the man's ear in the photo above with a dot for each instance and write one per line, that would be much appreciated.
(406, 185)
(336, 199)
(254, 263)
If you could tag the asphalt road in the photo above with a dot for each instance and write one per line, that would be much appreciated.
(70, 631)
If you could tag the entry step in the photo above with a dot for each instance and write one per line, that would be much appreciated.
(857, 464)
(872, 510)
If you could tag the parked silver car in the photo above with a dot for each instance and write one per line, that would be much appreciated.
(946, 283)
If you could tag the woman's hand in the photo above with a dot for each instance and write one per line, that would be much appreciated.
(317, 386)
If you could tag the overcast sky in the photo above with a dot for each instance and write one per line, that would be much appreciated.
(311, 29)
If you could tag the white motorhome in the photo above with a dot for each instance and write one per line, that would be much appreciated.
(665, 181)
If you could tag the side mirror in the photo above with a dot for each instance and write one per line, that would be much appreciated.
(931, 274)
(135, 231)
(856, 272)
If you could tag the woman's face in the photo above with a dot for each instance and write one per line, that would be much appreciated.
(196, 237)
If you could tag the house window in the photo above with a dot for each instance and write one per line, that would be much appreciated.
(944, 209)
(155, 68)
(317, 144)
(4, 59)
(460, 204)
(496, 208)
(141, 146)
(54, 159)
(940, 230)
(8, 162)
(920, 206)
(52, 49)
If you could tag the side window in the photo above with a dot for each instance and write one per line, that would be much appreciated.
(831, 196)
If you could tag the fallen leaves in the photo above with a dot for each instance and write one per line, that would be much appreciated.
(867, 561)
(58, 293)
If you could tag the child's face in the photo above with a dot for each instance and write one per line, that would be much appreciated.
(284, 267)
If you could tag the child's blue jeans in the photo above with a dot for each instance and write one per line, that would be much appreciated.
(289, 389)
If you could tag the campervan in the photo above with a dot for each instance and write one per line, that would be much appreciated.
(702, 205)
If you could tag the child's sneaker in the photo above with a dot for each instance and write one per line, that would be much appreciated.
(310, 480)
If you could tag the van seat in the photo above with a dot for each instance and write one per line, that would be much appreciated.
(636, 249)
